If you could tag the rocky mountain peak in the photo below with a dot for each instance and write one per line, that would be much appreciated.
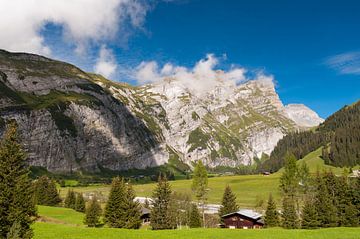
(303, 115)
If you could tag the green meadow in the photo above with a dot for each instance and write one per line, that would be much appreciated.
(63, 223)
(249, 189)
(63, 231)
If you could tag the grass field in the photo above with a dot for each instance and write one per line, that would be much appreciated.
(61, 231)
(60, 215)
(249, 189)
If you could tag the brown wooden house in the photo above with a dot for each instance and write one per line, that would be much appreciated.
(245, 219)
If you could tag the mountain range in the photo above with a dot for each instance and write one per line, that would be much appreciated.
(70, 120)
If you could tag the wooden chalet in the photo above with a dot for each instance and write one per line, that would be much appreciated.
(245, 219)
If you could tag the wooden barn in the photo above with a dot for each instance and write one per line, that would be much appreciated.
(245, 219)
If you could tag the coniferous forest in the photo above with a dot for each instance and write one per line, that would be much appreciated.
(339, 135)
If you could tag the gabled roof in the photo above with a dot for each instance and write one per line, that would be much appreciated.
(247, 213)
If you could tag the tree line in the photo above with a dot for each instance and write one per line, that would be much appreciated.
(309, 202)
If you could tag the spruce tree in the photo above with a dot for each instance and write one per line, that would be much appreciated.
(289, 215)
(132, 209)
(80, 203)
(195, 220)
(228, 204)
(46, 192)
(309, 214)
(114, 215)
(326, 211)
(271, 215)
(160, 216)
(93, 213)
(70, 200)
(289, 179)
(200, 185)
(16, 192)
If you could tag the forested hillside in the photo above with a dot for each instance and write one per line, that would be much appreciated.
(339, 135)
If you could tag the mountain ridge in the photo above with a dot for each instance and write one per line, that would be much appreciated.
(92, 123)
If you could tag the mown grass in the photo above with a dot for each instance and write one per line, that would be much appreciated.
(60, 231)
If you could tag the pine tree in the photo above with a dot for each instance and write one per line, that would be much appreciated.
(132, 210)
(80, 203)
(309, 214)
(200, 185)
(160, 218)
(46, 192)
(114, 210)
(271, 215)
(16, 192)
(70, 200)
(93, 213)
(228, 204)
(326, 211)
(289, 179)
(289, 215)
(195, 220)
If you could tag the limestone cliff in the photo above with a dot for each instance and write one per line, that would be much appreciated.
(71, 120)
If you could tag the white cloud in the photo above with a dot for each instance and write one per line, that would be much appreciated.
(201, 78)
(82, 21)
(105, 64)
(346, 63)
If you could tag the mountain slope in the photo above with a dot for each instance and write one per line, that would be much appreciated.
(339, 135)
(67, 123)
(70, 120)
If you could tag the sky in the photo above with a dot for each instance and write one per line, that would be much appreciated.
(309, 49)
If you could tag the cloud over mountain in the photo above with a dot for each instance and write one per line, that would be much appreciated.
(203, 76)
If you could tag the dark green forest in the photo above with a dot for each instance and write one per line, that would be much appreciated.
(339, 135)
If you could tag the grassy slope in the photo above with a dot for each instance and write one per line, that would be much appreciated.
(59, 231)
(248, 188)
(61, 215)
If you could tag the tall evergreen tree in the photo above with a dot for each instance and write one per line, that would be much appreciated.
(160, 216)
(70, 200)
(45, 192)
(114, 210)
(132, 209)
(289, 179)
(93, 213)
(200, 185)
(16, 191)
(289, 214)
(326, 211)
(309, 214)
(195, 220)
(80, 203)
(271, 214)
(228, 204)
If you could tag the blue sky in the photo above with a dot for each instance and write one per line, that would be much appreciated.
(312, 48)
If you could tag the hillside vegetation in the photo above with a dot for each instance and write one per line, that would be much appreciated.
(339, 136)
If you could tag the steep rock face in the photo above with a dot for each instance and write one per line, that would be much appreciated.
(71, 120)
(68, 123)
(227, 125)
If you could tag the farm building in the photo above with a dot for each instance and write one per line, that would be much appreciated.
(244, 219)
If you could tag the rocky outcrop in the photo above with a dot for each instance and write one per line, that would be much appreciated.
(67, 123)
(70, 120)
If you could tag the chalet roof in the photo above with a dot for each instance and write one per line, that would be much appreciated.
(247, 213)
(145, 211)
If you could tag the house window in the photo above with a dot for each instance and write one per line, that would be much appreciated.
(234, 219)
